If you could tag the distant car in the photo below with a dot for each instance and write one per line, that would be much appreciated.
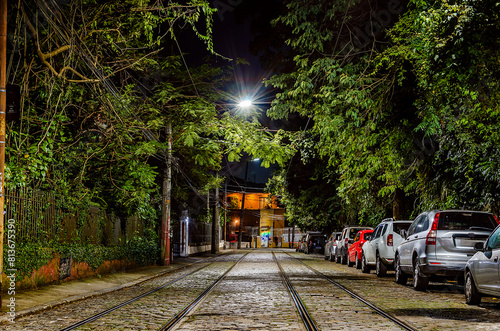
(354, 252)
(439, 244)
(315, 243)
(482, 276)
(379, 251)
(346, 239)
(331, 244)
(301, 245)
(307, 239)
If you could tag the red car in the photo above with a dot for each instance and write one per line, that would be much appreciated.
(355, 251)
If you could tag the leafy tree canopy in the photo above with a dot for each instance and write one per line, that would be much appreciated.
(403, 101)
(99, 83)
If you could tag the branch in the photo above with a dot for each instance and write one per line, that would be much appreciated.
(45, 56)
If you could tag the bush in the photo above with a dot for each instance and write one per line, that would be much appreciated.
(32, 256)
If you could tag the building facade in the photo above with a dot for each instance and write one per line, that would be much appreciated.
(263, 220)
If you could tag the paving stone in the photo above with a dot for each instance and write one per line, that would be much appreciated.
(253, 297)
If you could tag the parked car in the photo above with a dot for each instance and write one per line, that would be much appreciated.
(346, 240)
(482, 276)
(331, 244)
(439, 243)
(315, 243)
(301, 245)
(354, 252)
(304, 241)
(379, 251)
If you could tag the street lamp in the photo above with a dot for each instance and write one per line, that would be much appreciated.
(247, 103)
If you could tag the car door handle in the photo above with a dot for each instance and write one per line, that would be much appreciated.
(495, 259)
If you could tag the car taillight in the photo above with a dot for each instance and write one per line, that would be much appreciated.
(346, 243)
(431, 236)
(496, 219)
(389, 240)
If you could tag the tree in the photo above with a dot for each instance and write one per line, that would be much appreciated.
(402, 101)
(99, 83)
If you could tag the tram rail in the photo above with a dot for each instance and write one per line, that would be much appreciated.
(376, 309)
(178, 318)
(143, 295)
(303, 312)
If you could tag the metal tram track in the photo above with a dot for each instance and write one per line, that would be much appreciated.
(137, 298)
(303, 312)
(177, 318)
(376, 309)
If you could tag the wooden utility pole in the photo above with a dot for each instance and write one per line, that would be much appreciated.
(165, 204)
(225, 212)
(3, 107)
(240, 227)
(215, 222)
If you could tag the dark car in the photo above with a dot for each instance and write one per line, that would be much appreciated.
(316, 244)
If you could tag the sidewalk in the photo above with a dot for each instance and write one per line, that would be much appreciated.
(32, 301)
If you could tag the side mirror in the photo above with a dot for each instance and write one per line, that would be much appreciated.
(479, 246)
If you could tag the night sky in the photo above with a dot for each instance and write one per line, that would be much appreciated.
(242, 30)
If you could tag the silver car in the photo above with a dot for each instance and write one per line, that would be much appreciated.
(331, 245)
(439, 243)
(482, 271)
(379, 251)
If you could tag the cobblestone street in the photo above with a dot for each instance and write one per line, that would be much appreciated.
(252, 296)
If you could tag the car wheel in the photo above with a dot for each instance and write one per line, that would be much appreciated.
(380, 267)
(400, 277)
(343, 259)
(358, 262)
(332, 257)
(419, 282)
(337, 258)
(364, 267)
(472, 296)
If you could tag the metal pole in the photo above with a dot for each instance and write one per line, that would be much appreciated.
(3, 107)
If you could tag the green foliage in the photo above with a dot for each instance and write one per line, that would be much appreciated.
(28, 257)
(34, 255)
(411, 110)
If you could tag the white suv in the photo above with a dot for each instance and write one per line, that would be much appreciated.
(379, 251)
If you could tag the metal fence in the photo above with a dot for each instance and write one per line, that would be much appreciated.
(38, 219)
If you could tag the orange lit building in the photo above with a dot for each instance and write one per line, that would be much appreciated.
(263, 220)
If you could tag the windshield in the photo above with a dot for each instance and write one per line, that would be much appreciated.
(353, 231)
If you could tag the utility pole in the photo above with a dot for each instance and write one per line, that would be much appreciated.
(165, 204)
(240, 228)
(3, 107)
(215, 222)
(225, 212)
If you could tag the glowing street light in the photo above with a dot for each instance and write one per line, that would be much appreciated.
(245, 103)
